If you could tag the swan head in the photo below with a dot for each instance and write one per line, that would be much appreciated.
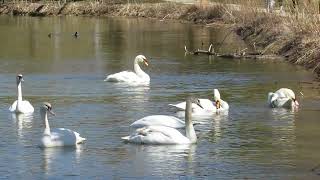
(216, 97)
(194, 100)
(19, 78)
(46, 107)
(142, 59)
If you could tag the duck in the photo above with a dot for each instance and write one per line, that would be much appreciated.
(161, 135)
(136, 77)
(19, 105)
(284, 97)
(76, 34)
(57, 137)
(208, 106)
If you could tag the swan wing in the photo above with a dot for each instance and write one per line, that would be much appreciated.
(26, 107)
(206, 104)
(158, 120)
(64, 137)
(282, 102)
(13, 107)
(125, 76)
(224, 105)
(157, 135)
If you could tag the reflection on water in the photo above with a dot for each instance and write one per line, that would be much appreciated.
(23, 123)
(250, 141)
(60, 159)
(163, 160)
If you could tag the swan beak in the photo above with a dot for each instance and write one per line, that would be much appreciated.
(295, 102)
(146, 62)
(51, 112)
(218, 105)
(198, 103)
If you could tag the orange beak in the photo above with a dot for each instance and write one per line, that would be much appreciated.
(218, 105)
(146, 62)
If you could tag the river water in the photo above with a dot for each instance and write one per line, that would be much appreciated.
(251, 141)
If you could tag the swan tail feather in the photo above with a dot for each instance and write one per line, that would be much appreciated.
(125, 138)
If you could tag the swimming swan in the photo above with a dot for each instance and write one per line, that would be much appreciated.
(283, 97)
(20, 106)
(59, 136)
(166, 135)
(208, 105)
(136, 77)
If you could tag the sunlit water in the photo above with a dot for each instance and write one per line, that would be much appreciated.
(251, 141)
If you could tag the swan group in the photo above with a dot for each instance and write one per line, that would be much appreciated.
(159, 134)
(153, 129)
(132, 78)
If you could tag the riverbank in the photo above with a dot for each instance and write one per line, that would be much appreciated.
(294, 37)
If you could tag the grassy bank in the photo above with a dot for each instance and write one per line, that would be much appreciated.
(293, 35)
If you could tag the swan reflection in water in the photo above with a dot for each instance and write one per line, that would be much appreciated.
(162, 159)
(283, 127)
(206, 121)
(23, 122)
(61, 161)
(125, 94)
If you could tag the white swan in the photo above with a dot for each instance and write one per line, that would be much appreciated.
(166, 135)
(158, 120)
(136, 77)
(283, 97)
(59, 136)
(20, 106)
(208, 105)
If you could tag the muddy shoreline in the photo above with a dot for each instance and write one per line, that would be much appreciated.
(265, 32)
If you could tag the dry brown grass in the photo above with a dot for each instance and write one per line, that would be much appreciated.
(294, 35)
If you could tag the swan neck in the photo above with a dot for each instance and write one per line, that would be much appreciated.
(44, 117)
(190, 132)
(19, 92)
(137, 69)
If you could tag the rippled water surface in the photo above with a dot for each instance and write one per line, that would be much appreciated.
(251, 141)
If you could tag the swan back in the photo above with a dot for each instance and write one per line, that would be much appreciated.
(158, 120)
(285, 92)
(157, 135)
